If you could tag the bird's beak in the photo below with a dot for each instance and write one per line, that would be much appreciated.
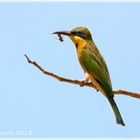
(67, 33)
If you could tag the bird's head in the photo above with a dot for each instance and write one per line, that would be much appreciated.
(77, 34)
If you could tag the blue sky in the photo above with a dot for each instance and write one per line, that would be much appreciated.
(30, 101)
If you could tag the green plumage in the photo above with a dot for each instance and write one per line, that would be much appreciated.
(93, 64)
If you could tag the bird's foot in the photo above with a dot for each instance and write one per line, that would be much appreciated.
(82, 84)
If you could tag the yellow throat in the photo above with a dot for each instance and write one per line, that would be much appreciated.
(79, 43)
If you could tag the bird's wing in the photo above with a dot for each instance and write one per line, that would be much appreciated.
(94, 64)
(100, 60)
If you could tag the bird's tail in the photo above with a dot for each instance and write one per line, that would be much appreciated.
(119, 119)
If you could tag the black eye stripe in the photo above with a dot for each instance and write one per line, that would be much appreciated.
(79, 32)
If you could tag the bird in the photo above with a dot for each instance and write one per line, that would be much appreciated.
(93, 64)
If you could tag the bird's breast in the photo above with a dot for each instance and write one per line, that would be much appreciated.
(80, 49)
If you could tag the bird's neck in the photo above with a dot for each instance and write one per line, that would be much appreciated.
(79, 43)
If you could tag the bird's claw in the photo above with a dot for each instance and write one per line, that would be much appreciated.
(82, 83)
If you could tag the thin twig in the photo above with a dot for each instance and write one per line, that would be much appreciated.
(81, 83)
(77, 82)
(128, 93)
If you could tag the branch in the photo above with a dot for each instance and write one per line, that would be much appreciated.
(81, 83)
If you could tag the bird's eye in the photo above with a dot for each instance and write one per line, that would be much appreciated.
(79, 32)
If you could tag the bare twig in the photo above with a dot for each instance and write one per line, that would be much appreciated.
(81, 83)
(128, 93)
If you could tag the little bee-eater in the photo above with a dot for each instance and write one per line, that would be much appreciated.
(93, 64)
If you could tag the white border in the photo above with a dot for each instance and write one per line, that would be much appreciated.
(69, 138)
(69, 0)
